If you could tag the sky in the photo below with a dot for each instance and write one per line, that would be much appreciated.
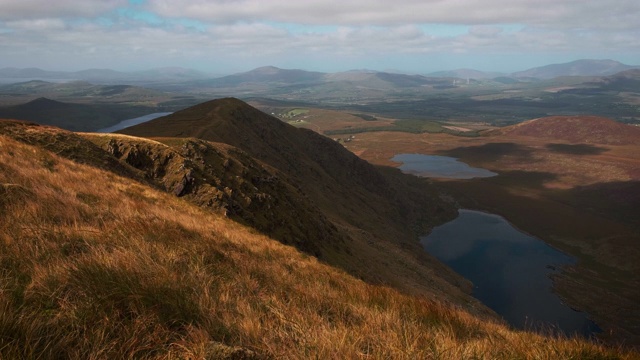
(228, 36)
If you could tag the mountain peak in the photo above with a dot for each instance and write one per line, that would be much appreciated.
(269, 69)
(44, 102)
(227, 110)
(42, 99)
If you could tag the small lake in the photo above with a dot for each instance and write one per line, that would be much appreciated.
(130, 122)
(510, 271)
(439, 167)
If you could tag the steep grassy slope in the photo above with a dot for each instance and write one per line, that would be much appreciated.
(228, 181)
(96, 265)
(380, 213)
(340, 182)
(66, 144)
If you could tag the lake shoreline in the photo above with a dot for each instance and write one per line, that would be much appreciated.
(439, 167)
(132, 122)
(472, 245)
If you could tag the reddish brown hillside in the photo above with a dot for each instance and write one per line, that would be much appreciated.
(575, 129)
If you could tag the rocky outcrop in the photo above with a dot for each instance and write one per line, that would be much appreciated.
(227, 180)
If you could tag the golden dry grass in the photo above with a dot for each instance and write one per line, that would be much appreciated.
(95, 266)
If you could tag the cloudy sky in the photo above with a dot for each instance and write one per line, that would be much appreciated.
(226, 36)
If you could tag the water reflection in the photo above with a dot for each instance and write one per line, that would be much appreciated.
(510, 271)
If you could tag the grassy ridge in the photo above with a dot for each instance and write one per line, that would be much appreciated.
(116, 269)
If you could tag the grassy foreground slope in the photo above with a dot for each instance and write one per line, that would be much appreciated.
(225, 180)
(95, 265)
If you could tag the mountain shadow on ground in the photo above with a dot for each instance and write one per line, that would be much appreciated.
(576, 149)
(491, 152)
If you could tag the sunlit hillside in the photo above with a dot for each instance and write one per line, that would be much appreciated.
(98, 266)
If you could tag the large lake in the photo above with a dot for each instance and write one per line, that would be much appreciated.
(439, 167)
(510, 271)
(130, 122)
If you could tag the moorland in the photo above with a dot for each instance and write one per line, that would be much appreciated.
(248, 185)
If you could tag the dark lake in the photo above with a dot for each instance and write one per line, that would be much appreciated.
(439, 167)
(130, 122)
(509, 269)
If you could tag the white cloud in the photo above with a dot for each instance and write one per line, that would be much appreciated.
(36, 25)
(89, 43)
(34, 9)
(560, 13)
(273, 31)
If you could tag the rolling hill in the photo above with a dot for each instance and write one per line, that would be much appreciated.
(97, 262)
(103, 76)
(83, 106)
(575, 129)
(273, 79)
(466, 73)
(266, 74)
(384, 80)
(77, 89)
(74, 117)
(628, 80)
(585, 67)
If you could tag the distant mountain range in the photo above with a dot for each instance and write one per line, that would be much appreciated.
(576, 68)
(271, 74)
(104, 75)
(78, 89)
(467, 74)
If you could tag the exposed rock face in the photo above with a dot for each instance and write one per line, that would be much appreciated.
(213, 175)
(227, 180)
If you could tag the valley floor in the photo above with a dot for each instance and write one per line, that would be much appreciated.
(581, 199)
